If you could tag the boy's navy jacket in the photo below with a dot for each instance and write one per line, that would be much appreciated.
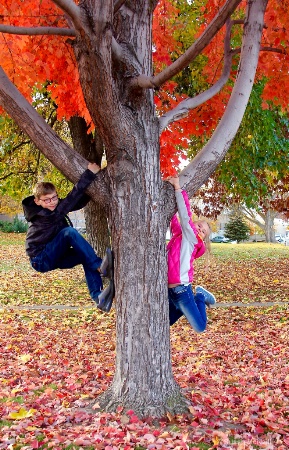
(44, 224)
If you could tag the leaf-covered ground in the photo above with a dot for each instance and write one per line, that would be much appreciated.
(236, 374)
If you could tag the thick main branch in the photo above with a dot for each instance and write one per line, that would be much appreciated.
(49, 143)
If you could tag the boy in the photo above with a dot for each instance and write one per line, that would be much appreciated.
(53, 243)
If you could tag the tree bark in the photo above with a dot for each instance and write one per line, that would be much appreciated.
(269, 225)
(143, 378)
(97, 232)
(138, 218)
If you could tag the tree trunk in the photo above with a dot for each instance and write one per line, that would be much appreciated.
(97, 232)
(268, 221)
(269, 225)
(143, 378)
(138, 215)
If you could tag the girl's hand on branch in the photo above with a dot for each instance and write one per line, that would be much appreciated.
(175, 182)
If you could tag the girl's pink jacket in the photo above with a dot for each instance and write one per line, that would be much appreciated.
(185, 244)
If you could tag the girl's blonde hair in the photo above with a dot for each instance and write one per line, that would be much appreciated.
(207, 237)
(207, 242)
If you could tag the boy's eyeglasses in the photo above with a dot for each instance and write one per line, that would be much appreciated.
(49, 200)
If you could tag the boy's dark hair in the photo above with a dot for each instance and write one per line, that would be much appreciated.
(43, 188)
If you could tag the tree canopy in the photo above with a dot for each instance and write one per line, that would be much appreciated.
(40, 53)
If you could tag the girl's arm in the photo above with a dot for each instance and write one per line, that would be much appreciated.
(184, 210)
(185, 215)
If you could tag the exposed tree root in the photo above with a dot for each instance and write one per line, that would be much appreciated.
(174, 403)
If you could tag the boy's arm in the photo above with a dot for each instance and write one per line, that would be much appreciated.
(93, 167)
(77, 198)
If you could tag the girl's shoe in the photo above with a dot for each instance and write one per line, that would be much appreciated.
(209, 298)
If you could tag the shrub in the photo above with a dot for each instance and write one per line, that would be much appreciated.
(16, 226)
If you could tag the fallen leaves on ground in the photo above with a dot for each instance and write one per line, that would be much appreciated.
(54, 363)
(246, 273)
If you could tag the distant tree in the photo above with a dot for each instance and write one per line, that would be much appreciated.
(236, 229)
(8, 205)
(21, 162)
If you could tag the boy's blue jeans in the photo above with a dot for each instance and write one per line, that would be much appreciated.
(67, 250)
(182, 301)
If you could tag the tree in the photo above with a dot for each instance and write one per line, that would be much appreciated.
(216, 196)
(112, 49)
(263, 218)
(236, 229)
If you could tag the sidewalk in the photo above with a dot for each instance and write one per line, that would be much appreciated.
(74, 308)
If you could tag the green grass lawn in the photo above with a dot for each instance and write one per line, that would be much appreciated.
(250, 250)
(12, 238)
(251, 272)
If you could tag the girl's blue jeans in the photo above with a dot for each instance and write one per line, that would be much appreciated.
(182, 301)
(67, 250)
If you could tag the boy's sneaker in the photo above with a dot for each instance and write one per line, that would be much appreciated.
(106, 268)
(106, 297)
(209, 298)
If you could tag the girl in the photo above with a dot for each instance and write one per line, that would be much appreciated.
(187, 243)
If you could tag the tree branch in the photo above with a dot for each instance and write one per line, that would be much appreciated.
(282, 51)
(20, 145)
(213, 152)
(16, 173)
(72, 10)
(37, 31)
(117, 5)
(183, 108)
(195, 49)
(274, 50)
(44, 137)
(6, 176)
